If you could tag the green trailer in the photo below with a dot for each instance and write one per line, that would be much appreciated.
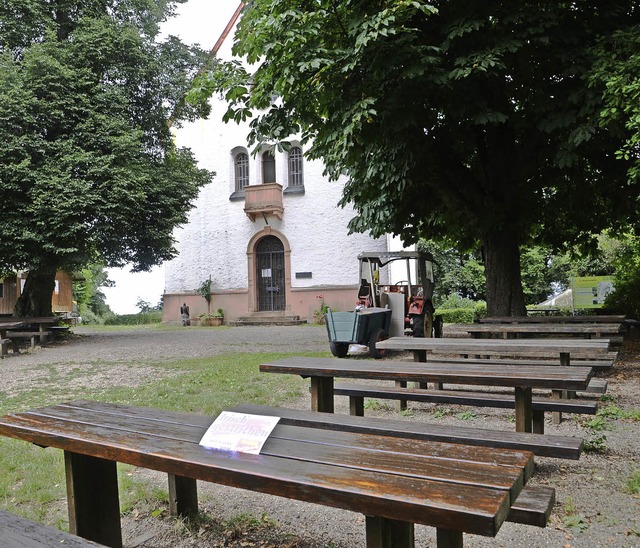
(365, 327)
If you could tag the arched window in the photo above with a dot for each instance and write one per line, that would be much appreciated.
(242, 170)
(268, 167)
(296, 177)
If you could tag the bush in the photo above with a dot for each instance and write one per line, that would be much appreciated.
(456, 309)
(134, 319)
(457, 315)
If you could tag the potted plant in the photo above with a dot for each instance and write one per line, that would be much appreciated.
(214, 319)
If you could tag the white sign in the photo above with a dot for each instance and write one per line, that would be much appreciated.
(241, 432)
(266, 273)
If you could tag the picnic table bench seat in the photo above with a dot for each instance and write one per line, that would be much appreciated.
(604, 364)
(357, 393)
(577, 356)
(18, 532)
(15, 336)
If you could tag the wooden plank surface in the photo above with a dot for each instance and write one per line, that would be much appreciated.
(541, 329)
(371, 479)
(612, 318)
(593, 346)
(567, 378)
(18, 532)
(547, 445)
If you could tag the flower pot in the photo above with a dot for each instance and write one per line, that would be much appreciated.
(211, 322)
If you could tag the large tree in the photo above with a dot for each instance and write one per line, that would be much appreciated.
(88, 168)
(471, 121)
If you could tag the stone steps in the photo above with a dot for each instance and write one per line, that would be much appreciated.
(267, 320)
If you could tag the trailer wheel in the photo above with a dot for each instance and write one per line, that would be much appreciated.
(376, 336)
(339, 350)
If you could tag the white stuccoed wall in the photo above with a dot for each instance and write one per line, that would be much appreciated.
(214, 242)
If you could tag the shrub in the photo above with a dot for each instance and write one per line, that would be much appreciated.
(134, 319)
(463, 315)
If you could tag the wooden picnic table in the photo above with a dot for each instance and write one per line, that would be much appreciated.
(563, 348)
(323, 371)
(518, 330)
(395, 482)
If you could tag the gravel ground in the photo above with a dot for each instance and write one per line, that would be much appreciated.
(593, 508)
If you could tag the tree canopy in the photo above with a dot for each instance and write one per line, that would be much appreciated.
(480, 123)
(88, 167)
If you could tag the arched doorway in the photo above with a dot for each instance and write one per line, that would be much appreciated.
(270, 274)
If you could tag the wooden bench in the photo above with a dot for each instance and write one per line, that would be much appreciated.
(18, 532)
(394, 481)
(15, 336)
(59, 330)
(598, 318)
(599, 365)
(578, 357)
(357, 393)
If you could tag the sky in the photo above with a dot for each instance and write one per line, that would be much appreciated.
(197, 22)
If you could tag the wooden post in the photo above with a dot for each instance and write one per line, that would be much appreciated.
(445, 538)
(92, 499)
(322, 394)
(402, 404)
(523, 409)
(356, 406)
(389, 533)
(183, 496)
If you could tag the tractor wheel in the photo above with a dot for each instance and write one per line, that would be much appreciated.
(423, 325)
(376, 336)
(339, 350)
(417, 326)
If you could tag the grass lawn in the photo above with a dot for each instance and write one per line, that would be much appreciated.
(32, 482)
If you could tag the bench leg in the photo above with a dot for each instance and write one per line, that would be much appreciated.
(92, 499)
(448, 539)
(356, 406)
(389, 533)
(183, 496)
(402, 404)
(538, 421)
(556, 416)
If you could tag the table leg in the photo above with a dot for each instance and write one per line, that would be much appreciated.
(419, 355)
(183, 496)
(389, 533)
(556, 416)
(322, 394)
(92, 499)
(523, 409)
(445, 538)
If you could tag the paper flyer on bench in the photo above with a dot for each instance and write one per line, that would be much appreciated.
(240, 432)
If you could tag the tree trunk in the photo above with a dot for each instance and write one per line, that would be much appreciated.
(502, 269)
(35, 299)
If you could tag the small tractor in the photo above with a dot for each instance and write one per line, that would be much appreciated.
(402, 305)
